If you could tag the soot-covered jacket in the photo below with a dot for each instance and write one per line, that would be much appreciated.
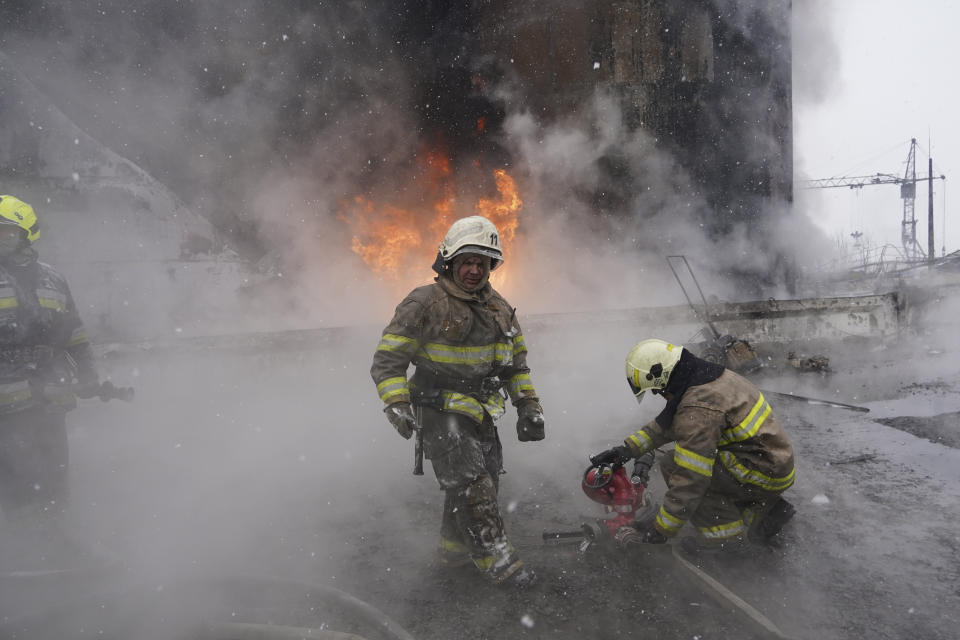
(458, 339)
(43, 343)
(724, 422)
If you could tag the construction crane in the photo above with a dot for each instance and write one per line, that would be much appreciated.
(908, 193)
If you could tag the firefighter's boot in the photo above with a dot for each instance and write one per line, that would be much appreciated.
(523, 578)
(771, 521)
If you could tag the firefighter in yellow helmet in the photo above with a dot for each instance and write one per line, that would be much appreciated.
(469, 356)
(732, 459)
(45, 361)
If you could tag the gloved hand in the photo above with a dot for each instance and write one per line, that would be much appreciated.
(530, 421)
(400, 415)
(616, 455)
(629, 535)
(653, 536)
(626, 536)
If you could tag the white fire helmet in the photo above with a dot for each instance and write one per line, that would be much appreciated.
(473, 234)
(649, 365)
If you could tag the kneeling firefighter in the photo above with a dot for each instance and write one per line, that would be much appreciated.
(469, 355)
(732, 459)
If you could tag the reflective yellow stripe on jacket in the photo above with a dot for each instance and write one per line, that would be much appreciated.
(752, 476)
(51, 299)
(750, 425)
(8, 298)
(642, 441)
(519, 345)
(394, 342)
(473, 408)
(519, 384)
(499, 353)
(393, 390)
(693, 461)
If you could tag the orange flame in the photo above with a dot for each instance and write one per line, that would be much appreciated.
(397, 243)
(391, 231)
(502, 212)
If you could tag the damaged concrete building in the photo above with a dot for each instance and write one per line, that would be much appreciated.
(710, 80)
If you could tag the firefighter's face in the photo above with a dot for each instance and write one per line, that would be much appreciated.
(472, 271)
(11, 238)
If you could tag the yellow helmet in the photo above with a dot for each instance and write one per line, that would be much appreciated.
(649, 365)
(14, 211)
(473, 234)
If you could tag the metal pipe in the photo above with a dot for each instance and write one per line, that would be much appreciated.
(931, 250)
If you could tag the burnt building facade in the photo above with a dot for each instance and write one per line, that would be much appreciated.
(710, 80)
(216, 100)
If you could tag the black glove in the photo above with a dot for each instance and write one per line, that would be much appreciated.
(653, 536)
(626, 536)
(400, 415)
(530, 421)
(617, 455)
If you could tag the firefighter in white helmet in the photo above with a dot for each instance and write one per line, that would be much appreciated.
(732, 459)
(469, 353)
(45, 363)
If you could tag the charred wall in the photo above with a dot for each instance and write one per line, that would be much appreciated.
(219, 99)
(711, 80)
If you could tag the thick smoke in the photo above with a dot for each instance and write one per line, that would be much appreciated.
(816, 54)
(267, 121)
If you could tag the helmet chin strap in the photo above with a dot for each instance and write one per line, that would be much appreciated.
(439, 265)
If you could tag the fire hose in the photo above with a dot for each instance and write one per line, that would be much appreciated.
(131, 608)
(608, 484)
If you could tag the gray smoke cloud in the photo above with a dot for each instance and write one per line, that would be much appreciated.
(268, 121)
(271, 459)
(816, 54)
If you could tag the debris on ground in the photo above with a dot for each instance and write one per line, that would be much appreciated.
(816, 363)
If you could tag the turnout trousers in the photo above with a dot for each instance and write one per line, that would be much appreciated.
(728, 509)
(467, 460)
(33, 459)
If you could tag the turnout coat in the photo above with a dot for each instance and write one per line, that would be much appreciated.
(724, 427)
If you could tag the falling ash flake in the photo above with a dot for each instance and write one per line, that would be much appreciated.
(527, 621)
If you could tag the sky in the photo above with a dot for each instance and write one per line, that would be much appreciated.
(888, 77)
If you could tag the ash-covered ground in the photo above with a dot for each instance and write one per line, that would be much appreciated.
(241, 475)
